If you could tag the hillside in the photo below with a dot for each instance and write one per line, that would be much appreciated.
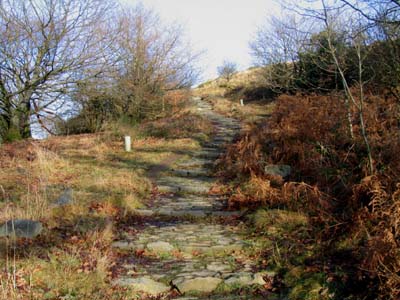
(310, 189)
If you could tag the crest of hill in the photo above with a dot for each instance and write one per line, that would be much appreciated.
(250, 78)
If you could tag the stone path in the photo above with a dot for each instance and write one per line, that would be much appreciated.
(184, 252)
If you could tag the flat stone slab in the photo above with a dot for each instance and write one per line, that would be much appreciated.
(181, 213)
(241, 279)
(143, 284)
(198, 172)
(160, 247)
(219, 267)
(167, 205)
(143, 212)
(245, 279)
(21, 228)
(127, 245)
(178, 188)
(174, 184)
(200, 284)
(211, 154)
(195, 163)
(223, 213)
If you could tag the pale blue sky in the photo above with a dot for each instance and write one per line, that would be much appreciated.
(222, 28)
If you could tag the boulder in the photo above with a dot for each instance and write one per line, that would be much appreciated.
(21, 228)
(278, 170)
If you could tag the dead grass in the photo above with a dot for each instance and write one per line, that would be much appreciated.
(72, 258)
(225, 96)
(252, 112)
(330, 182)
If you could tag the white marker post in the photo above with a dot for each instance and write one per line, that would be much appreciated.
(241, 102)
(127, 143)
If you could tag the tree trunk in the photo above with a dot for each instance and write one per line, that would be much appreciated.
(24, 122)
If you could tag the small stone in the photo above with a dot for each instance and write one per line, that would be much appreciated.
(65, 198)
(240, 279)
(278, 170)
(202, 284)
(144, 284)
(126, 245)
(216, 267)
(143, 212)
(21, 228)
(258, 278)
(203, 273)
(160, 247)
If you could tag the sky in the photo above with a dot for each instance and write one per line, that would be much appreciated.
(220, 28)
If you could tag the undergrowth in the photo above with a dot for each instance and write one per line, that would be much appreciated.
(349, 210)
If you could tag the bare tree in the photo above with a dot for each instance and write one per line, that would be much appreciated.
(46, 47)
(227, 70)
(276, 47)
(377, 11)
(327, 17)
(153, 58)
(382, 19)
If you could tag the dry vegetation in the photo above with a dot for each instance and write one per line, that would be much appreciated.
(72, 258)
(246, 85)
(353, 232)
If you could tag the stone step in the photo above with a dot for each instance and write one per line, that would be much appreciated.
(215, 145)
(222, 140)
(197, 172)
(208, 154)
(197, 255)
(196, 162)
(174, 184)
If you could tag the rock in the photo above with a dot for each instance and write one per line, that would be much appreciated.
(201, 284)
(21, 228)
(144, 284)
(203, 273)
(190, 172)
(226, 214)
(127, 245)
(143, 212)
(258, 278)
(160, 247)
(65, 198)
(180, 213)
(278, 170)
(218, 267)
(240, 279)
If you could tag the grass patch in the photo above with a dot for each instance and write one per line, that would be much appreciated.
(289, 252)
(72, 258)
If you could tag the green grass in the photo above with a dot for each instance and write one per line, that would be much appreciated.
(284, 238)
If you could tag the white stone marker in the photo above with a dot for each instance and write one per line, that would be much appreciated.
(241, 102)
(127, 143)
